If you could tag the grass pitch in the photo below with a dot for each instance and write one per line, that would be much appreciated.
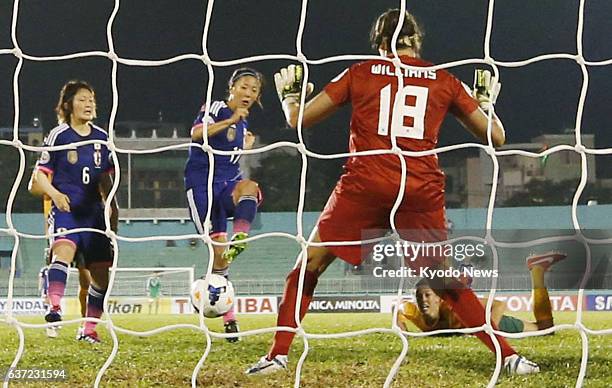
(167, 359)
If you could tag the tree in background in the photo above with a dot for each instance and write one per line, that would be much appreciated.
(548, 193)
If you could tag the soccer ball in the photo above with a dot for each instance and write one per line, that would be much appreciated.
(214, 295)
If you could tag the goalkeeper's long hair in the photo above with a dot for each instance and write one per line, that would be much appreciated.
(410, 36)
(64, 104)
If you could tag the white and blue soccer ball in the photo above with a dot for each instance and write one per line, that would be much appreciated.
(213, 295)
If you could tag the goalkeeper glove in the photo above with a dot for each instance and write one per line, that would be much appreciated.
(486, 88)
(289, 83)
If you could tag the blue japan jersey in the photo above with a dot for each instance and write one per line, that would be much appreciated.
(229, 139)
(76, 171)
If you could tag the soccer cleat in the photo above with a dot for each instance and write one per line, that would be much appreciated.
(80, 332)
(91, 337)
(265, 366)
(545, 260)
(53, 315)
(232, 327)
(52, 332)
(518, 365)
(236, 247)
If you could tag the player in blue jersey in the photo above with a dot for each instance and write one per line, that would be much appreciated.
(77, 180)
(232, 196)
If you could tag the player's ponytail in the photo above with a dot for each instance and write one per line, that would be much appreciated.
(64, 104)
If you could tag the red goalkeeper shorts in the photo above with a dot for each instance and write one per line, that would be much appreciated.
(356, 211)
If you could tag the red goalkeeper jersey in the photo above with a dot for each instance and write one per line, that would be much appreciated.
(414, 115)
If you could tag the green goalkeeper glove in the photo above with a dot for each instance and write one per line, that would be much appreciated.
(486, 88)
(289, 83)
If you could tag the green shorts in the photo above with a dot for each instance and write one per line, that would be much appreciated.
(511, 325)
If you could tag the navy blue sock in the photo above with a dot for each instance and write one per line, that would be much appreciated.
(245, 213)
(95, 306)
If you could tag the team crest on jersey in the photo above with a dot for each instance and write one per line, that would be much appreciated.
(72, 157)
(97, 157)
(231, 133)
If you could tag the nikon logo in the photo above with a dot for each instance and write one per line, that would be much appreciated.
(124, 308)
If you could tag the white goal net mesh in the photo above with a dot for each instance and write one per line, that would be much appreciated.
(305, 153)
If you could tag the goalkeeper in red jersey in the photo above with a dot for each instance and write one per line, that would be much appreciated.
(430, 312)
(386, 111)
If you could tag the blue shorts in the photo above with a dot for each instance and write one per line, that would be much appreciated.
(222, 206)
(95, 247)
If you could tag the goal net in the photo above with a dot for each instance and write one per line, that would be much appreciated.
(132, 281)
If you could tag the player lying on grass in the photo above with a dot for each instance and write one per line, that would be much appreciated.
(385, 116)
(232, 196)
(80, 183)
(432, 313)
